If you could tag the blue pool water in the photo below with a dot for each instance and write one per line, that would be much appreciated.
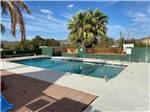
(83, 68)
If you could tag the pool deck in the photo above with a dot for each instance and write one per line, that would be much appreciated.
(129, 91)
(22, 58)
(94, 60)
(30, 95)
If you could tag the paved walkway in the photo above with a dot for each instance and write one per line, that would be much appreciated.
(94, 60)
(22, 58)
(30, 95)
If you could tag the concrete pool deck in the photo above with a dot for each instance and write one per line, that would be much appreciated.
(117, 62)
(129, 91)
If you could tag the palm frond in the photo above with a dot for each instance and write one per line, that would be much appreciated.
(14, 9)
(86, 27)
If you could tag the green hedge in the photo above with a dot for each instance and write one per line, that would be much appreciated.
(21, 52)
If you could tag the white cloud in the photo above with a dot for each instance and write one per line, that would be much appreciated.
(44, 23)
(128, 32)
(34, 28)
(67, 15)
(114, 30)
(31, 17)
(49, 17)
(30, 28)
(51, 23)
(140, 22)
(46, 11)
(70, 5)
(138, 16)
(109, 3)
(55, 23)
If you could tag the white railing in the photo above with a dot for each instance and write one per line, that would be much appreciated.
(9, 58)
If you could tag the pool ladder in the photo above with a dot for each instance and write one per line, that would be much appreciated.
(9, 58)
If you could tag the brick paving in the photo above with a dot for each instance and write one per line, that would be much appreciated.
(33, 95)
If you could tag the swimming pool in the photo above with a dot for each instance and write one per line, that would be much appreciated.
(83, 68)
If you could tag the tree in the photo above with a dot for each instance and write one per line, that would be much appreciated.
(106, 42)
(25, 45)
(37, 42)
(136, 42)
(11, 46)
(20, 45)
(86, 27)
(15, 7)
(51, 42)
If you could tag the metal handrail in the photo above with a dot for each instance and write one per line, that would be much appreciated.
(9, 57)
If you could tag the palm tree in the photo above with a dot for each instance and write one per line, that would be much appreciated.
(76, 26)
(100, 20)
(86, 27)
(14, 8)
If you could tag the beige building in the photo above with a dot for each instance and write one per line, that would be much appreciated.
(146, 40)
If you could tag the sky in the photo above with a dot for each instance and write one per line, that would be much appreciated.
(49, 18)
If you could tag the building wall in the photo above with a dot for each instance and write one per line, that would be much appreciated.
(146, 41)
